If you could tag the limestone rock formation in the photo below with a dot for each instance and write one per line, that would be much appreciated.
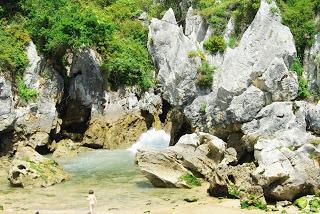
(29, 169)
(169, 48)
(32, 121)
(288, 165)
(225, 177)
(312, 65)
(124, 118)
(261, 59)
(195, 153)
(86, 93)
(7, 113)
(68, 149)
(286, 154)
(118, 134)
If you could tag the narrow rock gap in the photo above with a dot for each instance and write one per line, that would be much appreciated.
(166, 107)
(6, 143)
(180, 126)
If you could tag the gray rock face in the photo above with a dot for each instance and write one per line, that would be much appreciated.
(288, 164)
(31, 74)
(86, 95)
(36, 120)
(280, 84)
(312, 65)
(262, 59)
(33, 121)
(7, 114)
(29, 169)
(275, 117)
(286, 153)
(197, 153)
(169, 48)
(311, 112)
(196, 26)
(245, 106)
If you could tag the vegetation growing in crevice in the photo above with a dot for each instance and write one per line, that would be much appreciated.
(205, 74)
(304, 91)
(215, 44)
(25, 93)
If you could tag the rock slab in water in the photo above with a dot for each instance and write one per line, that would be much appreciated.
(30, 169)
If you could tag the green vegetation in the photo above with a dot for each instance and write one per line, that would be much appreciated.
(299, 16)
(215, 44)
(232, 42)
(313, 155)
(110, 27)
(205, 74)
(252, 201)
(303, 84)
(314, 204)
(301, 202)
(218, 13)
(234, 191)
(292, 147)
(25, 93)
(190, 179)
(203, 107)
(315, 142)
(1, 208)
(197, 53)
(13, 39)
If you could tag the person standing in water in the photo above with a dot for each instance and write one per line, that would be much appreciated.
(92, 200)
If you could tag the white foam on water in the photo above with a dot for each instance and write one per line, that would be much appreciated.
(152, 139)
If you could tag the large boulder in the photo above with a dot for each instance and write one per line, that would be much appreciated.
(287, 156)
(30, 169)
(288, 164)
(67, 149)
(197, 154)
(226, 177)
(253, 74)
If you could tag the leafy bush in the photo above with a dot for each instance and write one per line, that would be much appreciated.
(25, 93)
(190, 179)
(205, 74)
(107, 26)
(13, 39)
(58, 25)
(299, 16)
(233, 191)
(128, 64)
(301, 202)
(215, 44)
